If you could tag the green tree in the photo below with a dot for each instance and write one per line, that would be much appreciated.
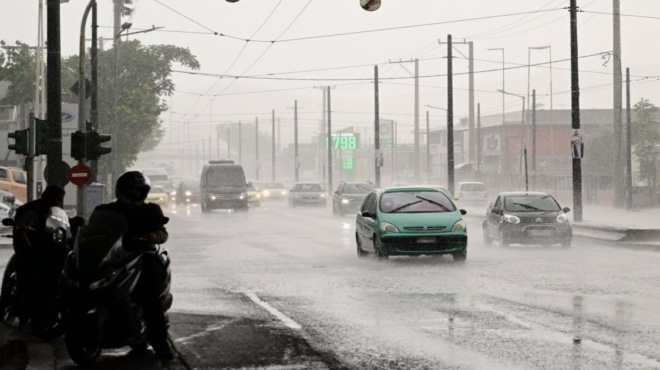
(144, 80)
(18, 67)
(645, 136)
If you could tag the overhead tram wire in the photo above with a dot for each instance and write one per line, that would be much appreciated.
(266, 50)
(216, 33)
(513, 24)
(371, 79)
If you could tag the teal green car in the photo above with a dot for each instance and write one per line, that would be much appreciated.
(410, 221)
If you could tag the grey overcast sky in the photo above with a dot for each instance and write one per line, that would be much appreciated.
(488, 23)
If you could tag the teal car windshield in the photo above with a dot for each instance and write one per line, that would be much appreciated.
(415, 202)
(531, 203)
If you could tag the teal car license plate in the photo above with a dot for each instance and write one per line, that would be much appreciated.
(426, 240)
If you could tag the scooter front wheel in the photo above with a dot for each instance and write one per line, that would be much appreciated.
(83, 345)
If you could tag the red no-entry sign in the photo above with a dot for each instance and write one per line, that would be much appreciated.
(79, 175)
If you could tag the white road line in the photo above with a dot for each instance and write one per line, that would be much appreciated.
(282, 317)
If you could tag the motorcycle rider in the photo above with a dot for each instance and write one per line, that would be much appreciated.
(31, 246)
(145, 229)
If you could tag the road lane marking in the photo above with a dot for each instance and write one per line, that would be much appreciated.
(207, 331)
(282, 317)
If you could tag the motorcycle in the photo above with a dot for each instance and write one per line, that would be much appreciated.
(97, 286)
(32, 298)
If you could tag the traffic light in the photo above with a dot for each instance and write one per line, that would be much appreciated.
(94, 148)
(78, 140)
(40, 137)
(20, 145)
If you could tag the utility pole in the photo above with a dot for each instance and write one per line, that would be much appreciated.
(479, 141)
(470, 58)
(534, 138)
(295, 134)
(329, 140)
(575, 113)
(114, 167)
(619, 175)
(428, 150)
(54, 168)
(321, 160)
(273, 145)
(629, 187)
(240, 144)
(450, 117)
(256, 146)
(378, 155)
(228, 141)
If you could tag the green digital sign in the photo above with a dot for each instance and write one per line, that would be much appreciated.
(347, 163)
(344, 141)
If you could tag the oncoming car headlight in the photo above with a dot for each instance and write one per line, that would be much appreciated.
(188, 193)
(345, 201)
(511, 219)
(386, 226)
(562, 218)
(458, 226)
(242, 196)
(322, 195)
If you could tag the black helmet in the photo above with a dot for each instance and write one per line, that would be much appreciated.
(132, 179)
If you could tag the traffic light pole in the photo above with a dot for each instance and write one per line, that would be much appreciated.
(29, 160)
(54, 100)
(81, 206)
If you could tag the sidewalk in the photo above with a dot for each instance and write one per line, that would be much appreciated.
(648, 218)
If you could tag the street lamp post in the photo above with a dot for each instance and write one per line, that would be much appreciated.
(502, 152)
(552, 111)
(523, 129)
(428, 142)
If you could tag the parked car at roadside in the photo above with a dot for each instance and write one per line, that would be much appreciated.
(527, 218)
(348, 196)
(307, 193)
(14, 180)
(410, 221)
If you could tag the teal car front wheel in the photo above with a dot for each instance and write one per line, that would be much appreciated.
(380, 256)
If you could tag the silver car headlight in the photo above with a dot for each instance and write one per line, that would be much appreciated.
(345, 201)
(458, 226)
(562, 218)
(386, 226)
(511, 219)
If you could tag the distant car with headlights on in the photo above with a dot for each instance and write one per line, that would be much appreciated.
(348, 196)
(527, 218)
(273, 190)
(410, 221)
(307, 193)
(158, 195)
(254, 194)
(187, 192)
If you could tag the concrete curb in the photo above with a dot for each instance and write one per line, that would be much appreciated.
(13, 348)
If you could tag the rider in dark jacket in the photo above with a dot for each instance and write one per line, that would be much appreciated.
(33, 252)
(146, 229)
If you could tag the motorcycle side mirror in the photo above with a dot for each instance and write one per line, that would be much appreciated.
(8, 222)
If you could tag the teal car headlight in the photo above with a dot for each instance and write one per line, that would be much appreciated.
(511, 219)
(386, 226)
(345, 201)
(458, 226)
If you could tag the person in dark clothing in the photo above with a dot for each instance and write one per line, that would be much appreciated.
(36, 258)
(145, 230)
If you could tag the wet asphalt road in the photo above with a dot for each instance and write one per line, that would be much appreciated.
(282, 288)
